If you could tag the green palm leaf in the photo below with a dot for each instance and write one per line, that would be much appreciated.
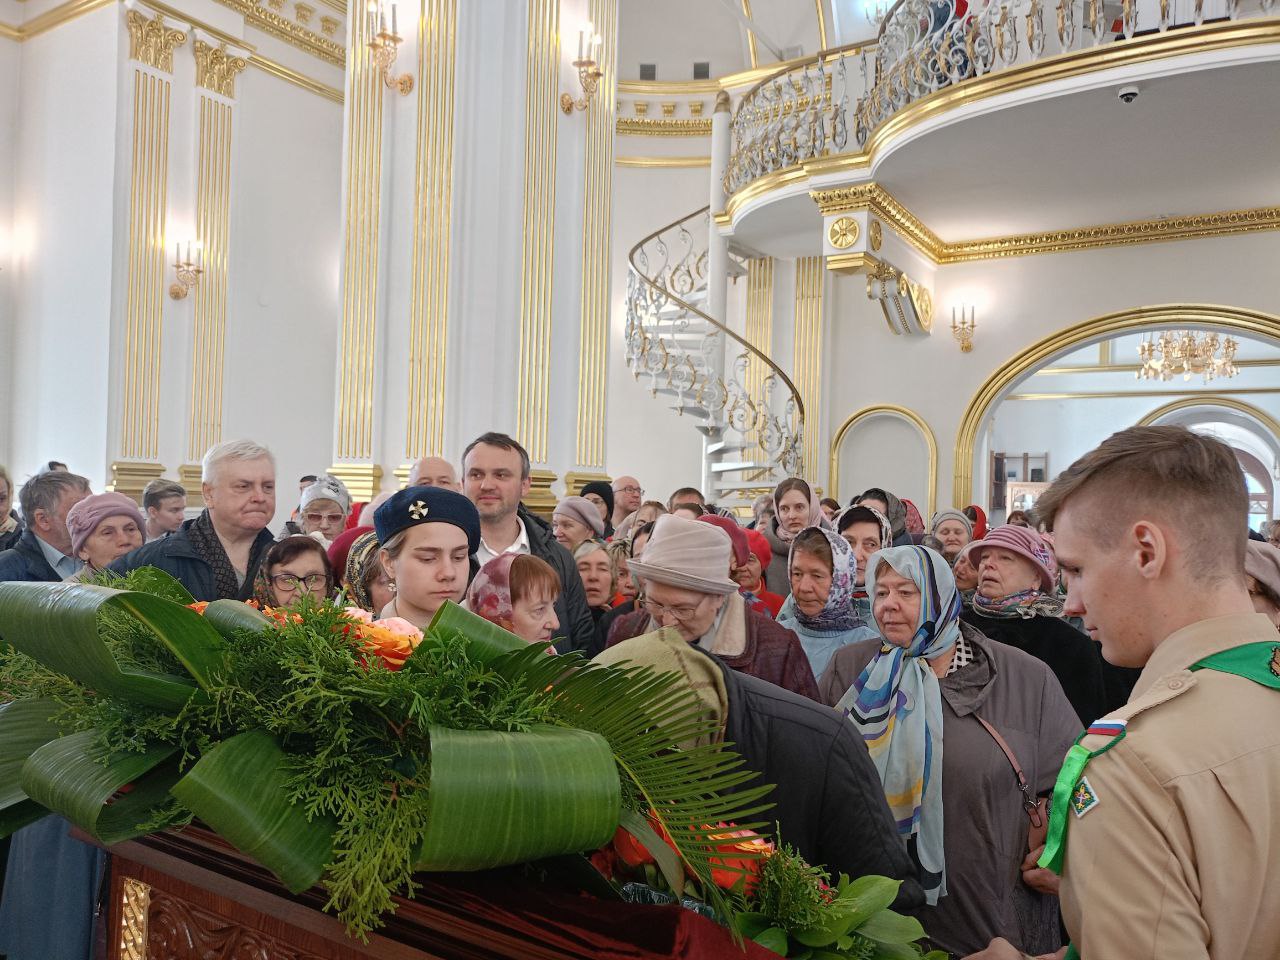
(485, 641)
(230, 616)
(238, 788)
(25, 725)
(75, 777)
(498, 798)
(58, 625)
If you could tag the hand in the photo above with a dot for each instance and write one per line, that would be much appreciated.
(1037, 878)
(998, 949)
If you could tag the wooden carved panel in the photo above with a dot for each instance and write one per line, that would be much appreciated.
(177, 930)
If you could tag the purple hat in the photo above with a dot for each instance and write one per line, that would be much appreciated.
(582, 510)
(1025, 542)
(84, 517)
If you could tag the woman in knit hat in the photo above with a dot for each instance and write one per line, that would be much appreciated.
(103, 528)
(575, 521)
(323, 509)
(601, 494)
(954, 531)
(751, 575)
(1017, 603)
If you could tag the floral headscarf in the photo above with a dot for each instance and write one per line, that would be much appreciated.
(838, 615)
(915, 522)
(363, 552)
(489, 595)
(896, 704)
(816, 517)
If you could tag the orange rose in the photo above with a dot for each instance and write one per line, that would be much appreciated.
(199, 606)
(393, 645)
(733, 870)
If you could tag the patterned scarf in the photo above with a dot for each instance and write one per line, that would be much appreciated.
(1024, 604)
(816, 517)
(886, 540)
(355, 573)
(896, 704)
(490, 593)
(206, 543)
(838, 616)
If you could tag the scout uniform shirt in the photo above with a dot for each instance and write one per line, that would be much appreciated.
(1173, 845)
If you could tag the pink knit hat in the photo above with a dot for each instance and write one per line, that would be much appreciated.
(84, 517)
(1025, 542)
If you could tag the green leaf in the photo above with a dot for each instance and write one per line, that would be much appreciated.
(667, 859)
(238, 788)
(57, 624)
(485, 641)
(896, 951)
(774, 938)
(231, 616)
(889, 927)
(498, 798)
(749, 923)
(866, 896)
(75, 777)
(24, 726)
(155, 581)
(936, 955)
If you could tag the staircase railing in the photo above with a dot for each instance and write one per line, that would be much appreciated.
(679, 348)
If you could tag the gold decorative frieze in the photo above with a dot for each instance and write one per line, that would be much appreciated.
(667, 163)
(433, 204)
(669, 109)
(329, 26)
(843, 233)
(216, 69)
(275, 4)
(641, 107)
(642, 126)
(364, 480)
(696, 107)
(282, 28)
(151, 42)
(303, 12)
(875, 236)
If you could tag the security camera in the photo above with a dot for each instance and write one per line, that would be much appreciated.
(1128, 94)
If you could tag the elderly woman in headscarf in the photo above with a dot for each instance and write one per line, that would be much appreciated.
(1262, 577)
(867, 531)
(364, 580)
(892, 508)
(953, 530)
(796, 506)
(1017, 604)
(978, 517)
(929, 696)
(820, 609)
(518, 592)
(966, 574)
(684, 573)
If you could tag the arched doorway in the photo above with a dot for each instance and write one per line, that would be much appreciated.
(900, 413)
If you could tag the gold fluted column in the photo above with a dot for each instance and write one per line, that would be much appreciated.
(759, 326)
(151, 46)
(538, 256)
(216, 72)
(593, 342)
(432, 205)
(806, 363)
(362, 210)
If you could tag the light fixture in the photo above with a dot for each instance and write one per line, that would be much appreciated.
(386, 46)
(963, 327)
(875, 12)
(589, 72)
(186, 269)
(1188, 353)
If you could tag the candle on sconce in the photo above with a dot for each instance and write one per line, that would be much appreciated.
(580, 38)
(394, 31)
(177, 253)
(188, 251)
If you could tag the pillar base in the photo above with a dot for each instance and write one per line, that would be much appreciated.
(401, 473)
(189, 476)
(573, 481)
(130, 477)
(540, 499)
(363, 480)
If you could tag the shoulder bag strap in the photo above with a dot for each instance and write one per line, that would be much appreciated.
(1029, 803)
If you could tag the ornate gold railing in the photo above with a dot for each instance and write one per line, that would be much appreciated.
(835, 101)
(683, 351)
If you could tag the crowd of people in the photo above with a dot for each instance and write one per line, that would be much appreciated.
(916, 692)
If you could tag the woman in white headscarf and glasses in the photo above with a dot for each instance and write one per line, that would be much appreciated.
(919, 695)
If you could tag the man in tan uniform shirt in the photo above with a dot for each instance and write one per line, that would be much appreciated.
(1172, 843)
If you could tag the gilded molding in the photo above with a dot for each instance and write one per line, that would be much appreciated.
(55, 17)
(751, 37)
(758, 330)
(1121, 394)
(282, 28)
(364, 480)
(822, 25)
(541, 106)
(893, 410)
(1021, 364)
(807, 352)
(329, 26)
(303, 12)
(362, 220)
(593, 321)
(131, 477)
(135, 907)
(540, 499)
(669, 163)
(216, 69)
(433, 206)
(664, 127)
(189, 475)
(298, 79)
(10, 33)
(853, 263)
(151, 42)
(1213, 400)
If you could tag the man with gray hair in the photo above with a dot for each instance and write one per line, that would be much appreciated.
(43, 552)
(216, 555)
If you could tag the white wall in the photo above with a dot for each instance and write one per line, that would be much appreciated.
(865, 461)
(10, 54)
(673, 34)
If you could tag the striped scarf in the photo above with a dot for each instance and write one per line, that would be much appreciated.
(896, 704)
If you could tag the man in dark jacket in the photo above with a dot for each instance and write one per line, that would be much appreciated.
(43, 552)
(495, 476)
(216, 555)
(828, 801)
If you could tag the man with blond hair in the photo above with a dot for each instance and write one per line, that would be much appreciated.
(1163, 820)
(216, 555)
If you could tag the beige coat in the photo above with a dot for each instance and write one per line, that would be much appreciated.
(1180, 857)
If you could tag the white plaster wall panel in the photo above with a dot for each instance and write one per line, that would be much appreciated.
(283, 304)
(864, 464)
(10, 58)
(64, 168)
(672, 34)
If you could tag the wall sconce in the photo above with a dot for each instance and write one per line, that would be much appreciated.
(962, 329)
(386, 47)
(589, 72)
(187, 271)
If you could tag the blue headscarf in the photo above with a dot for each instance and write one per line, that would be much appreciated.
(896, 704)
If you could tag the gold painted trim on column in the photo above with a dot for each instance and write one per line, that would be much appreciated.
(575, 479)
(806, 357)
(433, 210)
(353, 430)
(540, 499)
(663, 127)
(537, 260)
(751, 37)
(131, 477)
(822, 25)
(1214, 400)
(216, 69)
(597, 195)
(364, 480)
(1249, 322)
(758, 329)
(189, 475)
(282, 72)
(135, 909)
(887, 409)
(669, 163)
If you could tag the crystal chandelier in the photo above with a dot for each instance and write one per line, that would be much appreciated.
(1188, 353)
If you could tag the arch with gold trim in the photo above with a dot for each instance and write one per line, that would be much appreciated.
(1200, 316)
(887, 410)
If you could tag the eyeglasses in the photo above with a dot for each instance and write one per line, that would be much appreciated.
(682, 612)
(288, 582)
(322, 517)
(632, 490)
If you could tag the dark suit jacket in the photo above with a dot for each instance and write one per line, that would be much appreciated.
(25, 561)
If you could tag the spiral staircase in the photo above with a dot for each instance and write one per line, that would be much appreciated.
(748, 411)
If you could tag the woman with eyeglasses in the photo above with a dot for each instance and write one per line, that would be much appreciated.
(293, 568)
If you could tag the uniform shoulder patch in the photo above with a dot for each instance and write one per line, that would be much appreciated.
(1083, 798)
